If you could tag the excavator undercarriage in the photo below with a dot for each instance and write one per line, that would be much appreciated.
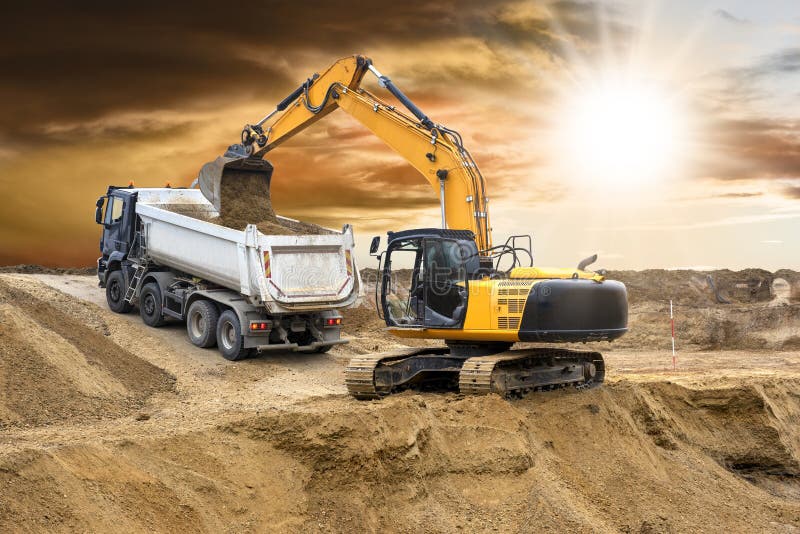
(509, 373)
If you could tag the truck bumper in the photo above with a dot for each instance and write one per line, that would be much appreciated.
(294, 347)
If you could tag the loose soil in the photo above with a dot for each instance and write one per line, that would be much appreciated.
(39, 269)
(245, 199)
(56, 367)
(275, 444)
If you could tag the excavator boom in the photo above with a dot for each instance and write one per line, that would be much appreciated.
(433, 150)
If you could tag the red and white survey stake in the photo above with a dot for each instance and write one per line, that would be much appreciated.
(672, 325)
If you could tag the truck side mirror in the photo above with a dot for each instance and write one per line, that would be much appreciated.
(98, 210)
(373, 247)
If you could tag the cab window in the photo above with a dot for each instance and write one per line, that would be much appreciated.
(114, 209)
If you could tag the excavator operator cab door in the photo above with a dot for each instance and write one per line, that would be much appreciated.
(445, 282)
(425, 283)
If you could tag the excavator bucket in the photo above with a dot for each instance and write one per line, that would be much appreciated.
(215, 175)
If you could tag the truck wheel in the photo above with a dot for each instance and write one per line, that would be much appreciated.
(229, 337)
(201, 323)
(115, 293)
(150, 305)
(326, 348)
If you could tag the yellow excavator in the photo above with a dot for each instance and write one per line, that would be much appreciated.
(449, 283)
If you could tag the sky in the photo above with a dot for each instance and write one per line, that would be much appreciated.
(656, 134)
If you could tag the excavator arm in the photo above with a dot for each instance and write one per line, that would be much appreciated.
(432, 149)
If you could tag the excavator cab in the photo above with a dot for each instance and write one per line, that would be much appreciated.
(425, 278)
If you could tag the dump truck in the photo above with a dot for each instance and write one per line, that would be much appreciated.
(241, 290)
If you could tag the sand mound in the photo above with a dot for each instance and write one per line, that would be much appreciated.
(54, 367)
(625, 458)
(700, 288)
(274, 444)
(720, 309)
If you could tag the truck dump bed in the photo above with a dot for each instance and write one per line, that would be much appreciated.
(287, 273)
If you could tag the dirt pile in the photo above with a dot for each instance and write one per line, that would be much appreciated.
(274, 443)
(625, 458)
(723, 309)
(39, 269)
(792, 280)
(756, 327)
(699, 288)
(55, 367)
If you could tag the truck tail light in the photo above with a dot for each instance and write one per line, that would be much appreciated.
(260, 326)
(333, 321)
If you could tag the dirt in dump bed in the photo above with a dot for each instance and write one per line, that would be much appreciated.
(271, 226)
(245, 199)
(285, 227)
(54, 367)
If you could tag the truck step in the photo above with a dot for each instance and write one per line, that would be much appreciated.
(136, 281)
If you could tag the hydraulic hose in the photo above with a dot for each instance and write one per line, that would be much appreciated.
(385, 82)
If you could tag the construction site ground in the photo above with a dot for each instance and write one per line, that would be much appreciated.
(109, 425)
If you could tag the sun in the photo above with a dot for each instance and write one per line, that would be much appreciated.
(620, 133)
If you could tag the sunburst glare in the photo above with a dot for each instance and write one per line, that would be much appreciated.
(620, 132)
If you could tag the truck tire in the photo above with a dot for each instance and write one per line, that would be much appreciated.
(230, 341)
(201, 323)
(322, 350)
(150, 305)
(115, 293)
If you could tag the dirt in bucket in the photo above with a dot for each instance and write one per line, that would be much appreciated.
(245, 199)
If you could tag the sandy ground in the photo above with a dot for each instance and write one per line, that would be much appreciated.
(166, 436)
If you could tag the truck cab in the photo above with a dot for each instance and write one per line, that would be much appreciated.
(116, 212)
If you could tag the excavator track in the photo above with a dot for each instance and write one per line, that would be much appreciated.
(522, 371)
(358, 377)
(371, 376)
(508, 373)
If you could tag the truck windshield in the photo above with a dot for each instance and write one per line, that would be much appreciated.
(114, 209)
